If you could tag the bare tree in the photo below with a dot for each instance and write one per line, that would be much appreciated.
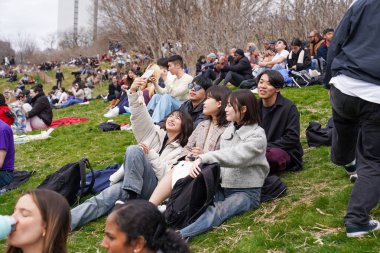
(26, 46)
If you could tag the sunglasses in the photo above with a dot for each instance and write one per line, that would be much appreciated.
(196, 87)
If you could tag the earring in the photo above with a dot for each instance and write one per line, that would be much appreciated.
(43, 234)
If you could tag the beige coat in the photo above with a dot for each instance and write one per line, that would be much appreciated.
(153, 136)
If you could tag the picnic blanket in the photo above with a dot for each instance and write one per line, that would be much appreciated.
(67, 121)
(20, 139)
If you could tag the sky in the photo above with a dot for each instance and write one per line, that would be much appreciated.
(35, 18)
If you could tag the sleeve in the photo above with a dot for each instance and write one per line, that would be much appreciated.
(38, 107)
(240, 154)
(190, 143)
(291, 136)
(181, 88)
(340, 36)
(160, 164)
(142, 124)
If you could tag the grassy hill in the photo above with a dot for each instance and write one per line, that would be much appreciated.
(307, 219)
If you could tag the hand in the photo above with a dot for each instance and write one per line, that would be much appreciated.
(294, 68)
(144, 147)
(152, 79)
(196, 151)
(262, 64)
(195, 170)
(137, 83)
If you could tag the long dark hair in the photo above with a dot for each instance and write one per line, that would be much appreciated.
(186, 126)
(221, 94)
(240, 98)
(55, 212)
(38, 88)
(141, 218)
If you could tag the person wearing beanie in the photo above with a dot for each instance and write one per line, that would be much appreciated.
(238, 71)
(208, 69)
(281, 121)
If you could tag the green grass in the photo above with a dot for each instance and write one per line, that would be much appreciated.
(307, 219)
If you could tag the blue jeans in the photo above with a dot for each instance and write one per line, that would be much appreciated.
(6, 178)
(227, 203)
(139, 177)
(162, 105)
(72, 102)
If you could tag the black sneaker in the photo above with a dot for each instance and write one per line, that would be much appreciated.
(351, 171)
(353, 178)
(358, 231)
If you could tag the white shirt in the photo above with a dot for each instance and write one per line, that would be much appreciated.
(284, 53)
(357, 88)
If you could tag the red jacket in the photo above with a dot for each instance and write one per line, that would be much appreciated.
(5, 111)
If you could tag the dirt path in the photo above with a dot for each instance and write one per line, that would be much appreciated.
(45, 78)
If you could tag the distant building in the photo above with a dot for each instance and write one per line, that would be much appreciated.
(66, 10)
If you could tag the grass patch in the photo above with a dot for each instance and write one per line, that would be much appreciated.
(307, 219)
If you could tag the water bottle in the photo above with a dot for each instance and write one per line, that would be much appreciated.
(7, 225)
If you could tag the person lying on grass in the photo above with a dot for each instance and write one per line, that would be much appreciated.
(144, 164)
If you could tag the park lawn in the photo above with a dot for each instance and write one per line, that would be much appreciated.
(307, 219)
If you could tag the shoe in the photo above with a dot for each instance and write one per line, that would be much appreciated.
(112, 113)
(353, 177)
(162, 208)
(119, 202)
(358, 231)
(351, 170)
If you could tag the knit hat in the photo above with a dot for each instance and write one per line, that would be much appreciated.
(211, 55)
(240, 52)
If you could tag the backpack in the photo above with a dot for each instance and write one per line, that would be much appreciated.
(191, 196)
(70, 181)
(108, 126)
(272, 189)
(102, 178)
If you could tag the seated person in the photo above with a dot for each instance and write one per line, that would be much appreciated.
(242, 163)
(19, 123)
(164, 68)
(38, 113)
(78, 93)
(323, 48)
(278, 62)
(114, 89)
(141, 228)
(197, 97)
(281, 122)
(24, 79)
(298, 58)
(6, 114)
(238, 71)
(42, 223)
(206, 137)
(7, 154)
(220, 74)
(175, 92)
(198, 66)
(207, 69)
(144, 164)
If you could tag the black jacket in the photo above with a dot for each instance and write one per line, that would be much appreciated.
(355, 49)
(242, 66)
(41, 108)
(113, 91)
(294, 61)
(282, 128)
(59, 76)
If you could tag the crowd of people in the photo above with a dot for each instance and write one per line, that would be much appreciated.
(197, 121)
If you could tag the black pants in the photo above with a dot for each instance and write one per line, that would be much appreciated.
(356, 134)
(233, 78)
(221, 76)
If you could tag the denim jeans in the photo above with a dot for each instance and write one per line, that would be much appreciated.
(138, 177)
(72, 102)
(227, 203)
(356, 134)
(162, 105)
(6, 178)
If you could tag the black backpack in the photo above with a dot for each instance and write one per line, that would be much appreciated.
(317, 136)
(70, 181)
(190, 197)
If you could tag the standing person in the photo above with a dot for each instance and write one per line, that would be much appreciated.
(355, 100)
(39, 114)
(138, 226)
(59, 77)
(42, 223)
(7, 154)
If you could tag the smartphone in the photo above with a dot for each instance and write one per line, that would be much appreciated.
(148, 74)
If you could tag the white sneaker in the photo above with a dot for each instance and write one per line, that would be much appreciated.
(112, 113)
(161, 208)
